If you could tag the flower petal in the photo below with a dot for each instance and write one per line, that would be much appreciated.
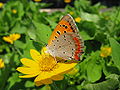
(43, 76)
(35, 55)
(7, 39)
(29, 63)
(38, 83)
(26, 70)
(15, 36)
(63, 68)
(57, 77)
(47, 81)
(28, 76)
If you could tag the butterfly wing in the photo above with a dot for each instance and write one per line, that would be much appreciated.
(65, 41)
(65, 25)
(68, 46)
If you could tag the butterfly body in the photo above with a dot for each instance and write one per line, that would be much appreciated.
(65, 41)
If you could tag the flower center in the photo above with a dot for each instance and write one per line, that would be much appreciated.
(47, 63)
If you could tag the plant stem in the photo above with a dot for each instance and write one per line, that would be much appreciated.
(19, 52)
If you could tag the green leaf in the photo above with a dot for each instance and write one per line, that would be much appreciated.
(107, 69)
(19, 44)
(29, 84)
(13, 79)
(32, 33)
(110, 84)
(20, 10)
(19, 29)
(89, 27)
(72, 88)
(29, 45)
(46, 87)
(43, 32)
(52, 23)
(85, 36)
(94, 67)
(115, 52)
(90, 17)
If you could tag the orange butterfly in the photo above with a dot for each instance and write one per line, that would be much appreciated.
(65, 41)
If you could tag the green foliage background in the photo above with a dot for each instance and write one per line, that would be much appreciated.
(98, 28)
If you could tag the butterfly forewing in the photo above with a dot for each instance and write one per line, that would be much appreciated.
(65, 25)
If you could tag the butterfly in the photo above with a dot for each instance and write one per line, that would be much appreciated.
(65, 41)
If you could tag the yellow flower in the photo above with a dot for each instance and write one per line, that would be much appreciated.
(105, 51)
(45, 67)
(11, 38)
(14, 11)
(67, 1)
(71, 13)
(78, 19)
(1, 4)
(37, 0)
(1, 63)
(73, 71)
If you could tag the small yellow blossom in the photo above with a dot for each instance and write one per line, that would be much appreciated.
(67, 1)
(105, 51)
(37, 0)
(1, 63)
(71, 13)
(11, 38)
(78, 19)
(44, 67)
(73, 71)
(14, 11)
(1, 4)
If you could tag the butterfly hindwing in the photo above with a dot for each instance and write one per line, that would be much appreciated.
(66, 47)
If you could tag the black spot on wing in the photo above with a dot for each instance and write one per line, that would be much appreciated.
(58, 32)
(64, 31)
(59, 46)
(64, 52)
(66, 27)
(55, 37)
